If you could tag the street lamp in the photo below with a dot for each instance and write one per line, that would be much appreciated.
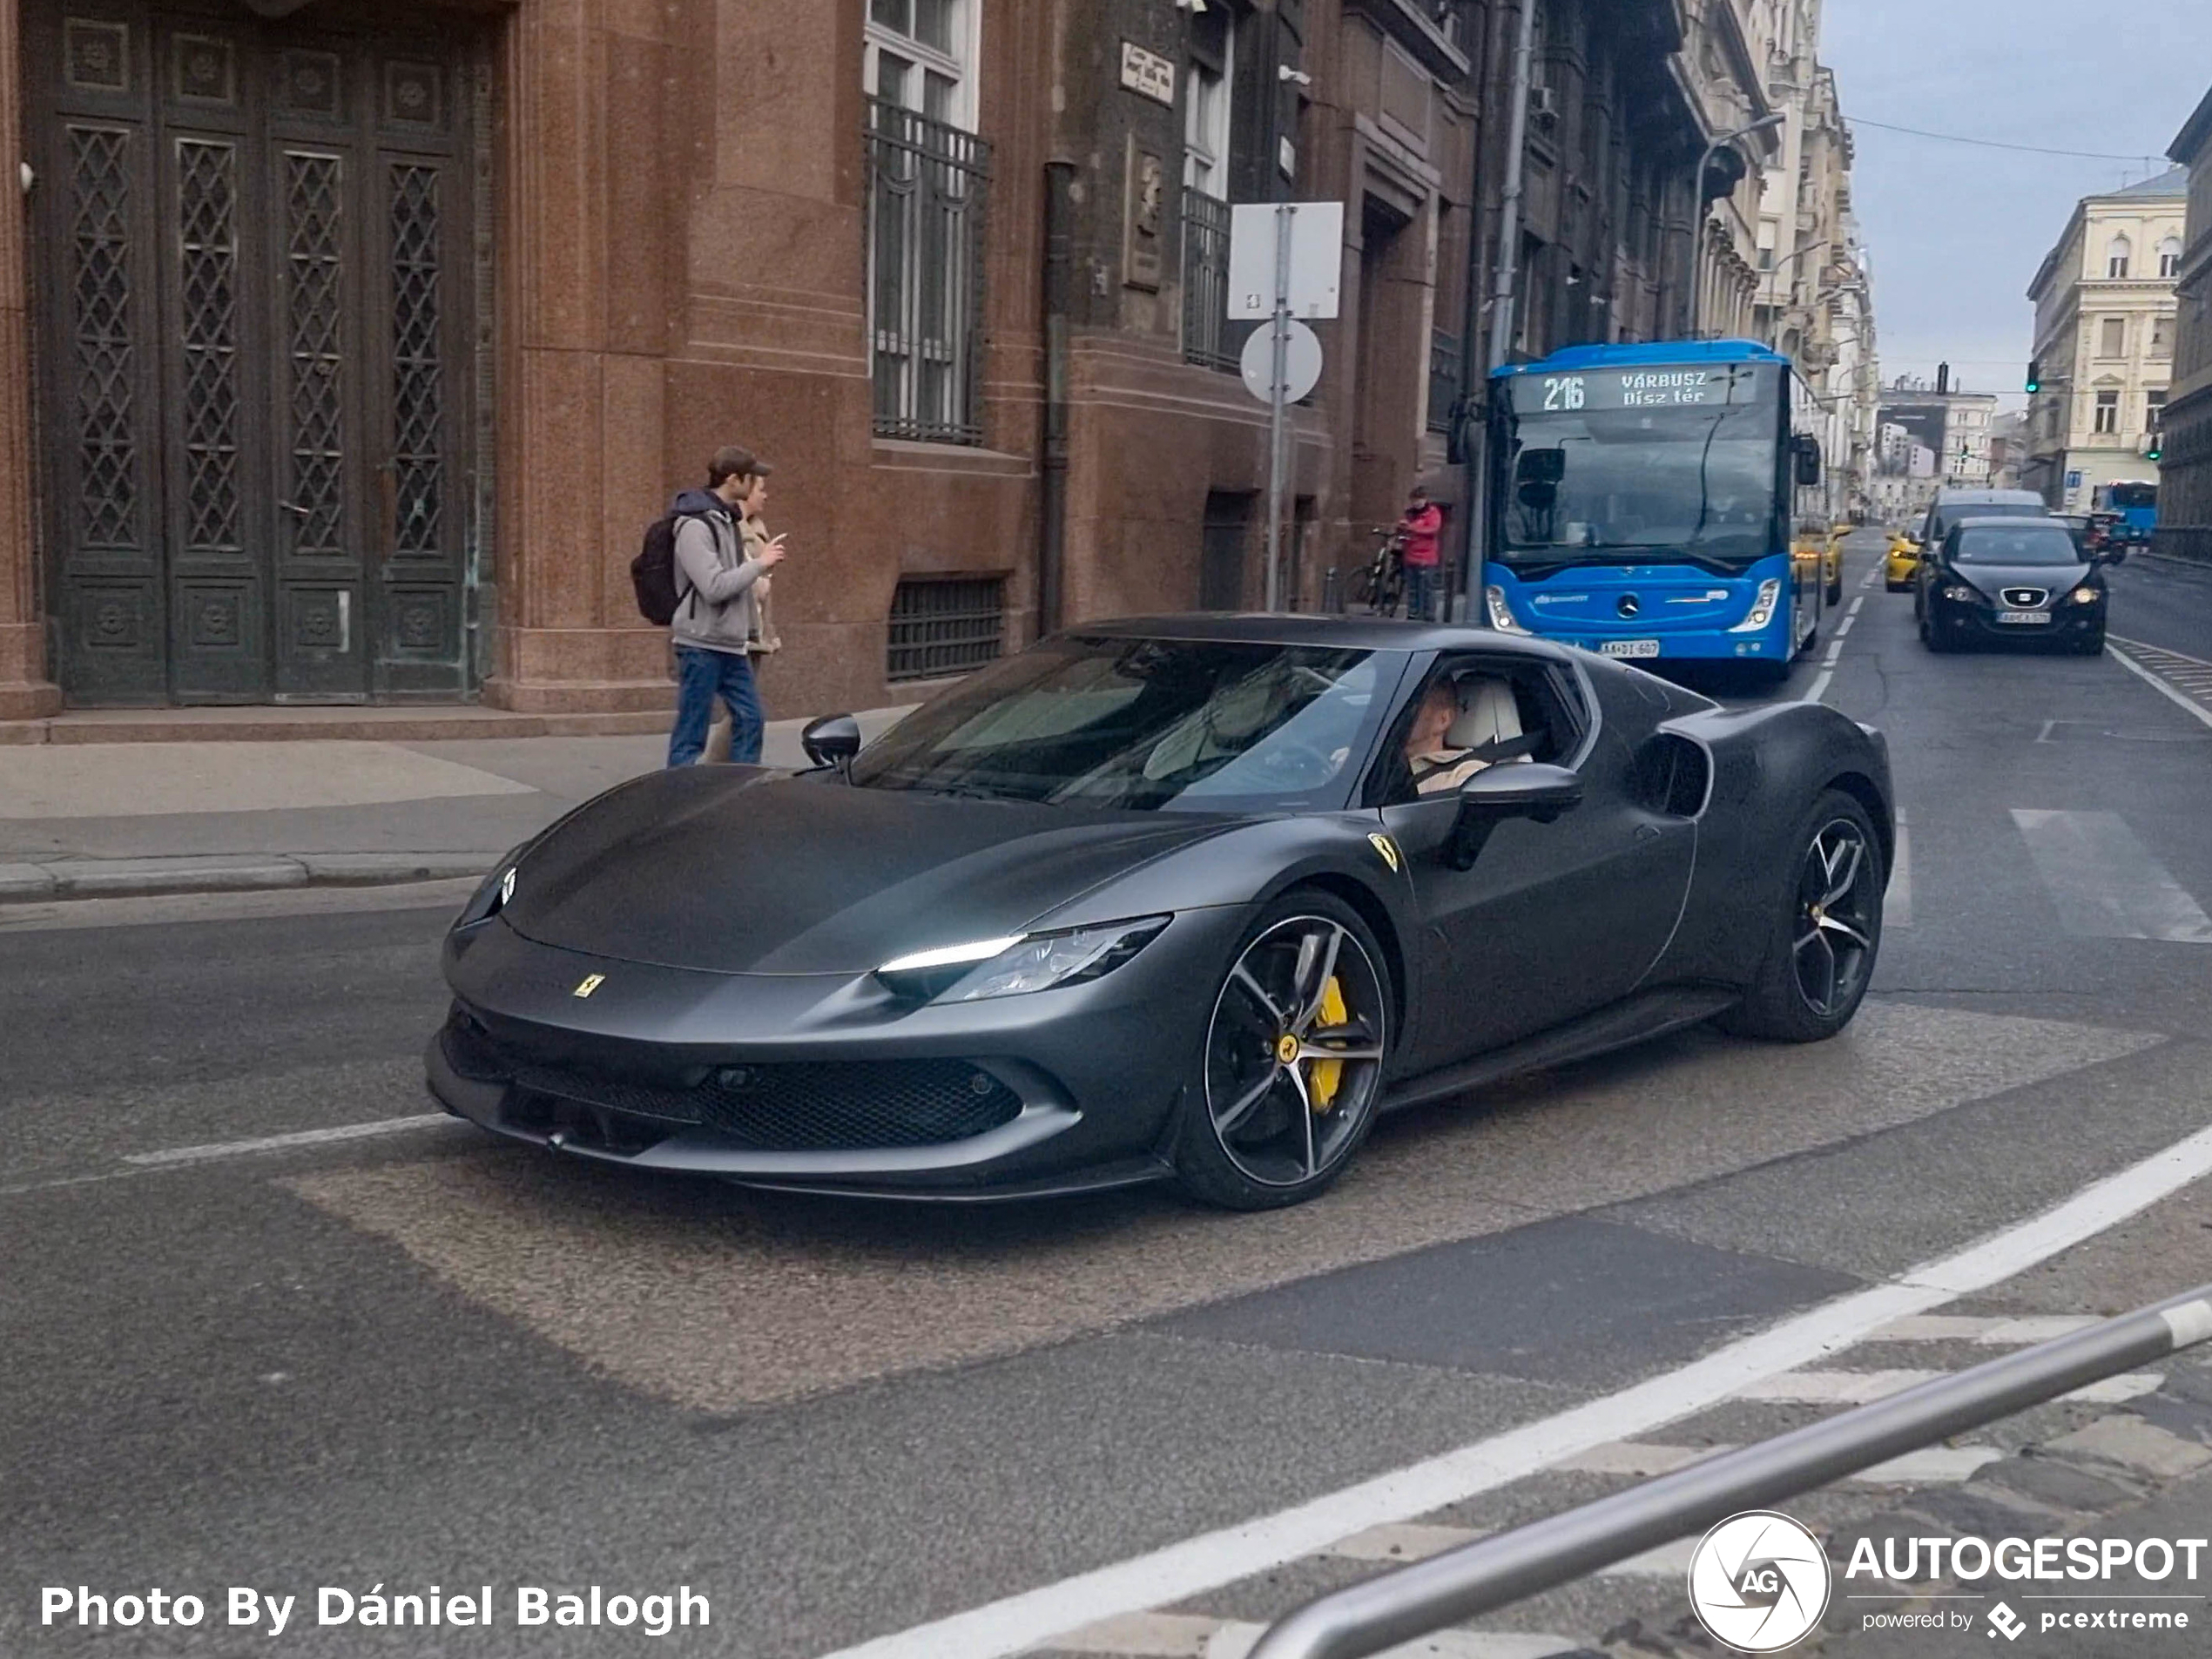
(1697, 184)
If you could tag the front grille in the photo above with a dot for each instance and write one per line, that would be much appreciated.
(807, 1106)
(789, 1106)
(2028, 598)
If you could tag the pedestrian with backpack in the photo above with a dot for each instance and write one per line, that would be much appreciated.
(713, 583)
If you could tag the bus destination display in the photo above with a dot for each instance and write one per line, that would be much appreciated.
(1636, 388)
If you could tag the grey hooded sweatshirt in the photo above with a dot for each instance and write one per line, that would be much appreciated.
(718, 610)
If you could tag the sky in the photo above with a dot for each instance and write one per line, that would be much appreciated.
(1956, 234)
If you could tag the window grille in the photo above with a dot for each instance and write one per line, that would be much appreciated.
(943, 625)
(927, 185)
(1205, 281)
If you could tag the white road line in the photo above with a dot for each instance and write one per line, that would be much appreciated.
(2180, 699)
(2104, 883)
(1820, 685)
(1852, 614)
(1986, 1332)
(1835, 652)
(1843, 628)
(1032, 1617)
(282, 1143)
(1897, 903)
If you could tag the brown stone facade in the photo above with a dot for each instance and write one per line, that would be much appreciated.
(681, 247)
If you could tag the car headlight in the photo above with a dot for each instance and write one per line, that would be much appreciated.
(493, 894)
(1762, 605)
(1964, 596)
(1502, 616)
(1019, 964)
(2085, 596)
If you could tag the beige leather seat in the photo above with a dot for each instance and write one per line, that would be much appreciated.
(1488, 713)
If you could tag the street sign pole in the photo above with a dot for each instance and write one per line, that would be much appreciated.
(1278, 404)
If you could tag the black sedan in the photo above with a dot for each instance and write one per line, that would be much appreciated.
(2011, 579)
(1192, 898)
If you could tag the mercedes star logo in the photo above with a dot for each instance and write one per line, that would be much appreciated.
(1630, 604)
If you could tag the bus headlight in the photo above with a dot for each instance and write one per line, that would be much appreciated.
(1502, 616)
(1770, 595)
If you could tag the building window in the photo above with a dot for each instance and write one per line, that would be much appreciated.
(1206, 334)
(945, 625)
(2155, 410)
(926, 184)
(1445, 374)
(2169, 257)
(2117, 255)
(2113, 341)
(2161, 336)
(2107, 412)
(1205, 111)
(917, 54)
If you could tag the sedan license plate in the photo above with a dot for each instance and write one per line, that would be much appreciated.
(2028, 617)
(1628, 648)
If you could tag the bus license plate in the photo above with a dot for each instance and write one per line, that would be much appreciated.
(1628, 648)
(2029, 617)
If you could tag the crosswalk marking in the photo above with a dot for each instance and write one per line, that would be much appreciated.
(2104, 882)
(1864, 1388)
(1935, 1466)
(1989, 1332)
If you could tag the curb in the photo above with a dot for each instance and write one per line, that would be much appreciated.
(256, 872)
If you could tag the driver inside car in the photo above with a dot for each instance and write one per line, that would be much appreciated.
(1462, 727)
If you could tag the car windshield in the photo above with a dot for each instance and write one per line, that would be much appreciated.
(1989, 509)
(1672, 463)
(1148, 725)
(2029, 544)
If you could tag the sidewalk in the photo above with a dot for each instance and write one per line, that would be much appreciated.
(108, 819)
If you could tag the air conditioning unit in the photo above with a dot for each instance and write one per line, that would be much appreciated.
(1543, 104)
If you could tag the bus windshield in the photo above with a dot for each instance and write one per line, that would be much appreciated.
(1656, 463)
(2124, 496)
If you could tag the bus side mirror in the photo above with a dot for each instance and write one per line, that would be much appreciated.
(1540, 467)
(1808, 454)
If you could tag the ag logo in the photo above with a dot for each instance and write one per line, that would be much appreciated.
(1759, 1583)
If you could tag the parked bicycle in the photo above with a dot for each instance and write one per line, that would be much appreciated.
(1380, 585)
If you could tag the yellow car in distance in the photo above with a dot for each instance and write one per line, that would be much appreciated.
(1903, 558)
(1832, 563)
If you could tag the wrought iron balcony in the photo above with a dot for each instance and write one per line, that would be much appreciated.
(927, 186)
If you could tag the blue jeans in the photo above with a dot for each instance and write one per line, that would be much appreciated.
(1420, 592)
(702, 675)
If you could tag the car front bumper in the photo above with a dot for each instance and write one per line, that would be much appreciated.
(824, 1082)
(2067, 622)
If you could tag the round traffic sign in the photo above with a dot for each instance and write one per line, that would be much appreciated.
(1301, 363)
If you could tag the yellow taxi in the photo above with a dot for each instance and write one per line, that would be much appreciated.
(1832, 563)
(1903, 558)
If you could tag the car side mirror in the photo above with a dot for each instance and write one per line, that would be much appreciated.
(1523, 789)
(1808, 459)
(832, 741)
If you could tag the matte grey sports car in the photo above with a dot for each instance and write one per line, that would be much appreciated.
(1187, 897)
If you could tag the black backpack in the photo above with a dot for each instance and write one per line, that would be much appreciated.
(654, 572)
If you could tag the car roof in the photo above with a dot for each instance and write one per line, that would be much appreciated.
(1989, 498)
(1998, 521)
(1350, 633)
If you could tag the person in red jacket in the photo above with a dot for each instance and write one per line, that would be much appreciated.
(1420, 529)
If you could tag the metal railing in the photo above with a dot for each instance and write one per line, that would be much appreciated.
(1478, 1578)
(1444, 379)
(1206, 334)
(929, 183)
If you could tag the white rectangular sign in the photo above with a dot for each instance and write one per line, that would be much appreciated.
(1148, 74)
(1317, 258)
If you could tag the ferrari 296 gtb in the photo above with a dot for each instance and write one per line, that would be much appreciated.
(1189, 898)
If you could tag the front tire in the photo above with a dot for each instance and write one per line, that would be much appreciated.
(1826, 931)
(1292, 1069)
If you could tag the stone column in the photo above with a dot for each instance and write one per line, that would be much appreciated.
(25, 692)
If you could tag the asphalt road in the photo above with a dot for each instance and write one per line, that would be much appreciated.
(413, 1358)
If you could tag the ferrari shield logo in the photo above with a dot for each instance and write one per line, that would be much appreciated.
(1388, 848)
(591, 982)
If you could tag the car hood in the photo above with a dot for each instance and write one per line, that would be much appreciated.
(1991, 580)
(737, 870)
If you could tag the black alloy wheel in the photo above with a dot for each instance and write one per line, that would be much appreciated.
(1825, 934)
(1294, 1057)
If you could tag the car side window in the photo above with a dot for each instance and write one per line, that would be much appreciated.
(1468, 714)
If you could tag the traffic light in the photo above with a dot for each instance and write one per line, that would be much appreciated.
(2035, 374)
(2157, 447)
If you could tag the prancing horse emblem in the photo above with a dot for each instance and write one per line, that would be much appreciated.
(591, 982)
(1388, 848)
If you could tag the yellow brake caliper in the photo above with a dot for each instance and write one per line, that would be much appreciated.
(1328, 1075)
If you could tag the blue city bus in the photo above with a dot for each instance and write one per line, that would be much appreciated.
(2135, 501)
(1644, 503)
